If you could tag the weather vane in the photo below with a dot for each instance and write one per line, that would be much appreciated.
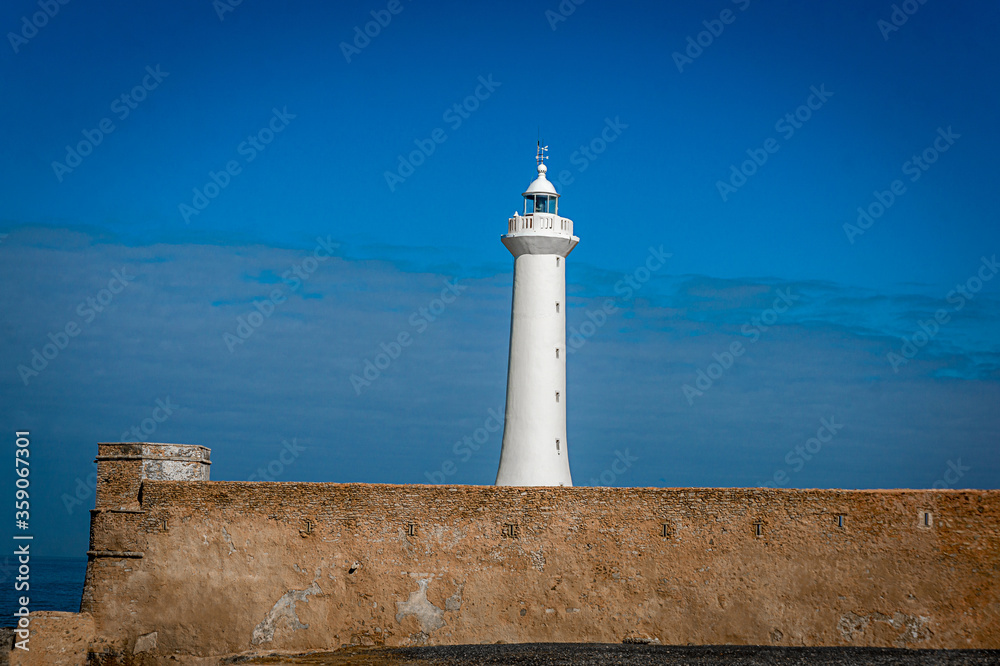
(540, 156)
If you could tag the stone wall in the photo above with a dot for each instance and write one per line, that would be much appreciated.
(212, 568)
(116, 533)
(57, 639)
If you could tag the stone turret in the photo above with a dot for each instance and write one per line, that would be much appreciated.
(117, 530)
(122, 466)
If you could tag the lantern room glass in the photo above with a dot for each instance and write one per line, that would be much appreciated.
(540, 203)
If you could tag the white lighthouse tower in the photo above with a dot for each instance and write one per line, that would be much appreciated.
(534, 451)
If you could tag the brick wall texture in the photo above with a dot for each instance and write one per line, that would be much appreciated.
(221, 568)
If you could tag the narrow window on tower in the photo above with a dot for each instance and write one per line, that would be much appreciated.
(557, 262)
(557, 308)
(557, 352)
(557, 396)
(557, 446)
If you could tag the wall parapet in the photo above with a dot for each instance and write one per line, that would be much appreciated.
(312, 566)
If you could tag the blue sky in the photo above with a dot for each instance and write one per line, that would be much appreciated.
(649, 109)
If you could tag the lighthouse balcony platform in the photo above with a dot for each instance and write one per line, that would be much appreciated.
(540, 233)
(541, 223)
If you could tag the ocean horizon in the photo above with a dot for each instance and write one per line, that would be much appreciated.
(54, 584)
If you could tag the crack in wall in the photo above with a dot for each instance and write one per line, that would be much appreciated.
(228, 539)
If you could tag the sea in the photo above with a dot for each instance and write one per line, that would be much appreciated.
(54, 583)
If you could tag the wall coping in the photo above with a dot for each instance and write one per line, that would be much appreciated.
(130, 554)
(564, 490)
(192, 446)
(152, 457)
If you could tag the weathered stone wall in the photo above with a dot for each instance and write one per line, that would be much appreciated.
(117, 535)
(56, 639)
(231, 567)
(121, 467)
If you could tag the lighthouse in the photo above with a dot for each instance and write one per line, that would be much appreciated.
(534, 450)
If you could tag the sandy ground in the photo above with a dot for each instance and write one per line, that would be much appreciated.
(601, 654)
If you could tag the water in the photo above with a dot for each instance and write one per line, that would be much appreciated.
(56, 583)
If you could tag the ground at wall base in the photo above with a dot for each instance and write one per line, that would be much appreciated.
(595, 654)
(62, 639)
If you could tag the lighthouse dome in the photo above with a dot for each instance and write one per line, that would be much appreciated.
(541, 185)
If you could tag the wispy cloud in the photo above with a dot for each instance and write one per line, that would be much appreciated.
(824, 357)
